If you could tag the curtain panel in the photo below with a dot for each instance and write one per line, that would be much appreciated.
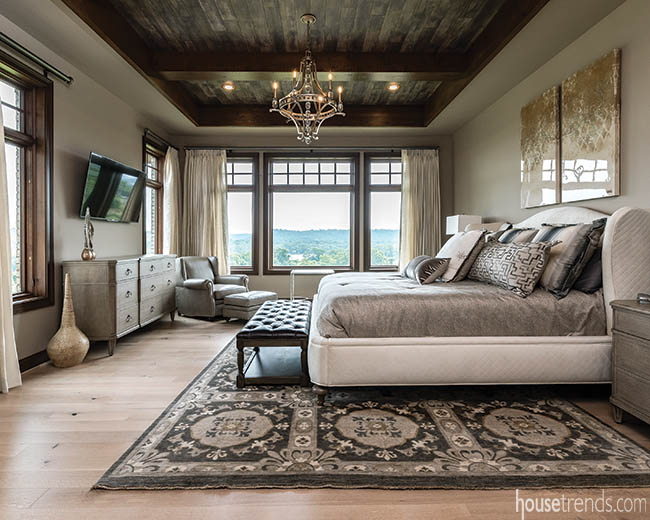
(171, 202)
(205, 211)
(9, 368)
(420, 231)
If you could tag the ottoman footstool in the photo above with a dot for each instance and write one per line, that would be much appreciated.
(244, 305)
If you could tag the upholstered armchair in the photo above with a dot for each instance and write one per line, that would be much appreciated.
(200, 290)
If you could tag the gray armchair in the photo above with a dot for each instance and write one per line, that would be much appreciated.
(200, 290)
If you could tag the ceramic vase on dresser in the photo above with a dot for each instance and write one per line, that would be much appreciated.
(69, 346)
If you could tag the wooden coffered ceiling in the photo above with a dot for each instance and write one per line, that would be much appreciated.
(188, 48)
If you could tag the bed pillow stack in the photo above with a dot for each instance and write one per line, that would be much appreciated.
(577, 244)
(513, 266)
(462, 250)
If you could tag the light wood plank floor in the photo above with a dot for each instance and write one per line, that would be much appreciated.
(63, 428)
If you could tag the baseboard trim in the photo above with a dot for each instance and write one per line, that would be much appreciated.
(34, 360)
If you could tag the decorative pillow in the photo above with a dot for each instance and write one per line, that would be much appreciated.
(464, 271)
(409, 270)
(516, 267)
(458, 249)
(591, 278)
(430, 270)
(518, 235)
(567, 261)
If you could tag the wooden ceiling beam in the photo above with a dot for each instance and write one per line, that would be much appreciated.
(511, 18)
(109, 24)
(348, 66)
(359, 115)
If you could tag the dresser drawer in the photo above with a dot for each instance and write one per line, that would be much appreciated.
(632, 354)
(127, 318)
(154, 307)
(152, 286)
(126, 293)
(126, 271)
(632, 323)
(632, 389)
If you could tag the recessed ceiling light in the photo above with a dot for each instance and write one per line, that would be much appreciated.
(228, 86)
(392, 86)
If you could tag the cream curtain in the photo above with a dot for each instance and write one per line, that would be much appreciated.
(205, 212)
(9, 368)
(171, 202)
(420, 232)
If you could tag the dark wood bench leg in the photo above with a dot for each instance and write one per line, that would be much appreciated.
(321, 392)
(304, 377)
(240, 365)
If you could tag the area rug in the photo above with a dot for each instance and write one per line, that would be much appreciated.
(216, 436)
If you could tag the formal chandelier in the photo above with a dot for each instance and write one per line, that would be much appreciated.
(307, 105)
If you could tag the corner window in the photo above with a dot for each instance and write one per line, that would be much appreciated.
(311, 205)
(27, 107)
(241, 179)
(383, 205)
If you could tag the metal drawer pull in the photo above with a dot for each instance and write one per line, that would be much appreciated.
(128, 271)
(128, 294)
(169, 265)
(153, 288)
(169, 282)
(152, 267)
(128, 318)
(152, 309)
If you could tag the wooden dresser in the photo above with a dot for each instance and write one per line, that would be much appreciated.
(631, 360)
(115, 296)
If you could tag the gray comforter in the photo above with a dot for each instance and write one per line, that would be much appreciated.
(370, 305)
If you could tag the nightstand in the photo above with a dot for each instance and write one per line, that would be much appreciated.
(631, 360)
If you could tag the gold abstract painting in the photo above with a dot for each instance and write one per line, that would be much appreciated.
(591, 114)
(540, 150)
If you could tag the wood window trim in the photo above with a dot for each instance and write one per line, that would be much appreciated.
(37, 229)
(269, 189)
(254, 269)
(368, 189)
(157, 149)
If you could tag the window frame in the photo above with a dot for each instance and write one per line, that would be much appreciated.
(36, 140)
(368, 190)
(158, 150)
(269, 189)
(245, 188)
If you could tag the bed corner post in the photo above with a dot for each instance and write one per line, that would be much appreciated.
(321, 392)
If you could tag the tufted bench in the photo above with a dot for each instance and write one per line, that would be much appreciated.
(281, 324)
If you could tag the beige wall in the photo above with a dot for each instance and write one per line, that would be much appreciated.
(86, 118)
(331, 137)
(487, 151)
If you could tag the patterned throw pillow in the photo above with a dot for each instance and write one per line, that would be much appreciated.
(459, 249)
(516, 267)
(409, 270)
(518, 236)
(430, 270)
(567, 261)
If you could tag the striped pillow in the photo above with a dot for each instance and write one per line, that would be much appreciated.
(518, 236)
(516, 267)
(567, 260)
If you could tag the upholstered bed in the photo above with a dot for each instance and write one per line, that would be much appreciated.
(561, 344)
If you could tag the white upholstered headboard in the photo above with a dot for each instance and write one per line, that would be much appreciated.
(626, 248)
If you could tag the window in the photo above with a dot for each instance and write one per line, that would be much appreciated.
(154, 156)
(383, 204)
(241, 179)
(311, 205)
(27, 100)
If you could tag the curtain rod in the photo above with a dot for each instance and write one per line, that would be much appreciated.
(312, 150)
(26, 53)
(148, 131)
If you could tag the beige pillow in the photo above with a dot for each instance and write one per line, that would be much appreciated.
(461, 249)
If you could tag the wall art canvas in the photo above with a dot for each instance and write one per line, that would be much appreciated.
(540, 150)
(591, 113)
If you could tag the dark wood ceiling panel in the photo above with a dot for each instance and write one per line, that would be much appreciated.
(268, 26)
(354, 93)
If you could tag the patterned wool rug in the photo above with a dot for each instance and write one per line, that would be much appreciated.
(214, 435)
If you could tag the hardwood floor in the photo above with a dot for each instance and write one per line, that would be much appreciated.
(63, 428)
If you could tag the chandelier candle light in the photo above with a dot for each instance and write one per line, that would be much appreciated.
(307, 105)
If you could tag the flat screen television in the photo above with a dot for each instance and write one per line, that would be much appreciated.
(113, 191)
